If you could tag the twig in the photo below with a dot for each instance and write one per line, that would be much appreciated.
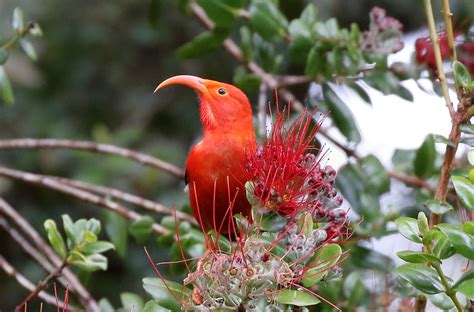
(78, 193)
(437, 52)
(41, 285)
(24, 282)
(32, 251)
(73, 282)
(262, 109)
(143, 159)
(448, 21)
(125, 197)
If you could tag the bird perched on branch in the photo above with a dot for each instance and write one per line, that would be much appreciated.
(215, 168)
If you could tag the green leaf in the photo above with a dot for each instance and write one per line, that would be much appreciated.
(341, 115)
(152, 306)
(462, 242)
(222, 12)
(29, 49)
(444, 140)
(328, 29)
(97, 247)
(3, 56)
(267, 20)
(404, 93)
(443, 248)
(105, 305)
(425, 158)
(161, 292)
(299, 298)
(361, 92)
(438, 206)
(468, 227)
(270, 221)
(423, 225)
(131, 302)
(468, 129)
(324, 259)
(470, 156)
(141, 229)
(89, 263)
(6, 88)
(403, 160)
(465, 285)
(116, 229)
(442, 301)
(408, 227)
(417, 257)
(378, 179)
(421, 277)
(69, 229)
(55, 239)
(200, 45)
(93, 225)
(465, 190)
(461, 75)
(315, 62)
(18, 20)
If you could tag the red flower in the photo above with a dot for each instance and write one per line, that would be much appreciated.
(287, 172)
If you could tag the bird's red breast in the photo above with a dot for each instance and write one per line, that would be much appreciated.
(216, 165)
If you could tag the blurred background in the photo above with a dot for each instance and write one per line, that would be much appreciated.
(98, 64)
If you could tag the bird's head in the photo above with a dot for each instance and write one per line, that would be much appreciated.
(222, 106)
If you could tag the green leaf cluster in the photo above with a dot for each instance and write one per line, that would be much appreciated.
(81, 248)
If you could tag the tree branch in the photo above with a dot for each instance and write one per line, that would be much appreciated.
(437, 52)
(73, 282)
(78, 193)
(143, 159)
(448, 18)
(125, 197)
(24, 282)
(40, 286)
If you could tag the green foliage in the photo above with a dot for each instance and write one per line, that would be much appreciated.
(462, 75)
(141, 229)
(465, 190)
(22, 33)
(166, 295)
(421, 277)
(83, 250)
(297, 298)
(323, 259)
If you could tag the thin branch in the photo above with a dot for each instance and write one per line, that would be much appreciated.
(78, 193)
(262, 109)
(73, 282)
(448, 21)
(32, 251)
(125, 197)
(25, 283)
(143, 159)
(41, 286)
(437, 52)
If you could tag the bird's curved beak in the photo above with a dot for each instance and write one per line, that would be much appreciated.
(196, 83)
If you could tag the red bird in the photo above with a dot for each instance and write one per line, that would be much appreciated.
(215, 168)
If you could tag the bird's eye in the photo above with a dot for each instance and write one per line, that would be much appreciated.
(222, 91)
